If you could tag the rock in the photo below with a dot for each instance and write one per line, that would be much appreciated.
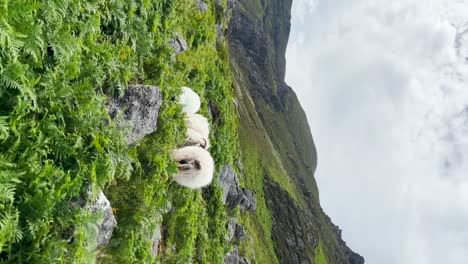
(156, 238)
(244, 260)
(140, 106)
(178, 43)
(106, 225)
(239, 234)
(231, 228)
(227, 178)
(232, 257)
(248, 201)
(202, 6)
(233, 194)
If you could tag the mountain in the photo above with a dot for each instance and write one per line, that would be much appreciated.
(278, 150)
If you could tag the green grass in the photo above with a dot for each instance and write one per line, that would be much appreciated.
(258, 224)
(319, 255)
(59, 61)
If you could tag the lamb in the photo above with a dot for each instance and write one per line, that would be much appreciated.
(196, 167)
(189, 100)
(198, 131)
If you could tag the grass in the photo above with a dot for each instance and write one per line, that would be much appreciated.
(319, 255)
(258, 223)
(59, 61)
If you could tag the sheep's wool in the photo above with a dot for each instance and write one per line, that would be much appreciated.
(199, 123)
(194, 178)
(189, 100)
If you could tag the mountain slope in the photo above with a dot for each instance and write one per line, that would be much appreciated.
(273, 131)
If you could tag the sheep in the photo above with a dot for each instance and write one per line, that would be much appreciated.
(196, 167)
(198, 131)
(199, 123)
(189, 100)
(194, 138)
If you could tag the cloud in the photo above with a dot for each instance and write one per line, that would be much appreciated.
(385, 88)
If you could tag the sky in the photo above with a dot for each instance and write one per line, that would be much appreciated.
(385, 88)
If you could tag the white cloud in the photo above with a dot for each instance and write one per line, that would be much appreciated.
(385, 88)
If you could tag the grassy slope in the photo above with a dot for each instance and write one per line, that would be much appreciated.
(59, 60)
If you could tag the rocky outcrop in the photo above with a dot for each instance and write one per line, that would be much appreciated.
(178, 43)
(106, 224)
(233, 194)
(139, 107)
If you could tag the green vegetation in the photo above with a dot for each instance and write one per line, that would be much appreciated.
(319, 255)
(59, 61)
(258, 223)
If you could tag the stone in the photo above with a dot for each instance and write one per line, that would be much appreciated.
(233, 194)
(232, 257)
(248, 202)
(239, 234)
(106, 224)
(231, 228)
(244, 260)
(156, 238)
(140, 108)
(202, 6)
(178, 43)
(227, 178)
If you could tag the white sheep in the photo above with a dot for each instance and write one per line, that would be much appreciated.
(198, 131)
(195, 138)
(189, 100)
(199, 123)
(196, 167)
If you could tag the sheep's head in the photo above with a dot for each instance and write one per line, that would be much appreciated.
(187, 164)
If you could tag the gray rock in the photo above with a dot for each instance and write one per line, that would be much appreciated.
(244, 260)
(157, 236)
(202, 6)
(106, 224)
(248, 201)
(232, 257)
(178, 43)
(140, 107)
(233, 194)
(239, 234)
(231, 228)
(227, 179)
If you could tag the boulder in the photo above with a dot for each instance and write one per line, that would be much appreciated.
(140, 108)
(202, 6)
(233, 194)
(239, 234)
(106, 224)
(231, 228)
(178, 43)
(232, 257)
(248, 201)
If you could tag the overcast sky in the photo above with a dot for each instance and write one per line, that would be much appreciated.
(385, 88)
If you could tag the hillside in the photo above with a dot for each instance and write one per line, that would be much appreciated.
(277, 144)
(90, 117)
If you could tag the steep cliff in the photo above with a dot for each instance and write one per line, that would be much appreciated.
(277, 144)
